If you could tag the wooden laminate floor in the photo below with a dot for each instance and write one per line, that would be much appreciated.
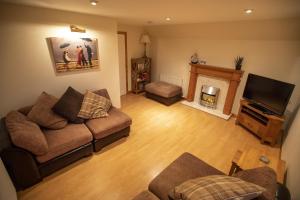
(159, 135)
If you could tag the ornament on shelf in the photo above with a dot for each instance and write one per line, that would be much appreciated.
(194, 58)
(203, 62)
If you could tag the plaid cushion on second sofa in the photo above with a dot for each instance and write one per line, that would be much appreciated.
(94, 106)
(217, 187)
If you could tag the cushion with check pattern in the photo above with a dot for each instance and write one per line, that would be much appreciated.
(217, 187)
(94, 106)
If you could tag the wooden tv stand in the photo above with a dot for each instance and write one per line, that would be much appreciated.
(267, 127)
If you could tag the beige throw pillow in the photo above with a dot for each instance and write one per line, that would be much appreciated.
(217, 187)
(42, 114)
(94, 106)
(25, 133)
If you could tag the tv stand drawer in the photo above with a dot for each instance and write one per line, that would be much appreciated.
(250, 123)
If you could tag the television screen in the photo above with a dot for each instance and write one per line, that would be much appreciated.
(271, 94)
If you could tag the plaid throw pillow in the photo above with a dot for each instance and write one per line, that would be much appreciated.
(217, 187)
(94, 106)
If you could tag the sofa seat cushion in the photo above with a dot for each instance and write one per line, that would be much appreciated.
(115, 122)
(163, 89)
(64, 140)
(262, 176)
(145, 195)
(182, 169)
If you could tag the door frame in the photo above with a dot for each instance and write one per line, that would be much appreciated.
(126, 55)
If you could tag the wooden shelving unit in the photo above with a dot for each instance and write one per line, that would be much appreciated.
(267, 127)
(140, 73)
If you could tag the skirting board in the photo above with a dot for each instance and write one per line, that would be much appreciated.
(217, 113)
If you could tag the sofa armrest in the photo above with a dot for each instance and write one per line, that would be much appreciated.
(262, 176)
(21, 167)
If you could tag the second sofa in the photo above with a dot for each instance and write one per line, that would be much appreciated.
(64, 146)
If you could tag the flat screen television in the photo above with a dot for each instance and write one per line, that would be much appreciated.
(269, 95)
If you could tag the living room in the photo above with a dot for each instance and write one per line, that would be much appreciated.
(122, 166)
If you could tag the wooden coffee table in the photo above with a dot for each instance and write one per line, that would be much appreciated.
(250, 159)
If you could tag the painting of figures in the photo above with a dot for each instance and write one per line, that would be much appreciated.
(72, 54)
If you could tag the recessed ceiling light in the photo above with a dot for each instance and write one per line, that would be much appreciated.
(93, 2)
(168, 19)
(248, 11)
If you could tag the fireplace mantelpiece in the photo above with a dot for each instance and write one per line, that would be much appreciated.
(233, 76)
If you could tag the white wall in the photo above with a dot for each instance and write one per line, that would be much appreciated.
(134, 48)
(290, 153)
(7, 190)
(271, 48)
(26, 66)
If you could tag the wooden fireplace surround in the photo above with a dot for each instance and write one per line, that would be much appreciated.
(232, 75)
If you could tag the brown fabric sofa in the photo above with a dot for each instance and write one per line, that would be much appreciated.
(188, 167)
(65, 146)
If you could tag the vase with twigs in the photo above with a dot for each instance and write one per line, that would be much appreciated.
(238, 62)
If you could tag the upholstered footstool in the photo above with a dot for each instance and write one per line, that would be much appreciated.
(163, 92)
(187, 167)
(145, 195)
(184, 168)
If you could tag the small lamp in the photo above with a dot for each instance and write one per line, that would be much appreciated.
(145, 39)
(75, 28)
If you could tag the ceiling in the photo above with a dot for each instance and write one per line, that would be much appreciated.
(140, 12)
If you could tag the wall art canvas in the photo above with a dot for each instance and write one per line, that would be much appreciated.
(73, 54)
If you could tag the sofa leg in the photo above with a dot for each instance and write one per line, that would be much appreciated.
(97, 147)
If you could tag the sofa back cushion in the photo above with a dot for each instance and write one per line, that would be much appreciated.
(68, 106)
(25, 133)
(103, 92)
(25, 110)
(94, 106)
(220, 187)
(42, 114)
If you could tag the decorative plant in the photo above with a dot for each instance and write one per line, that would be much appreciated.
(238, 62)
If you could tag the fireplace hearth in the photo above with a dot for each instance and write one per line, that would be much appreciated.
(209, 96)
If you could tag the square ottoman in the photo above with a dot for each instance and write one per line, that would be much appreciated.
(163, 92)
(185, 167)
